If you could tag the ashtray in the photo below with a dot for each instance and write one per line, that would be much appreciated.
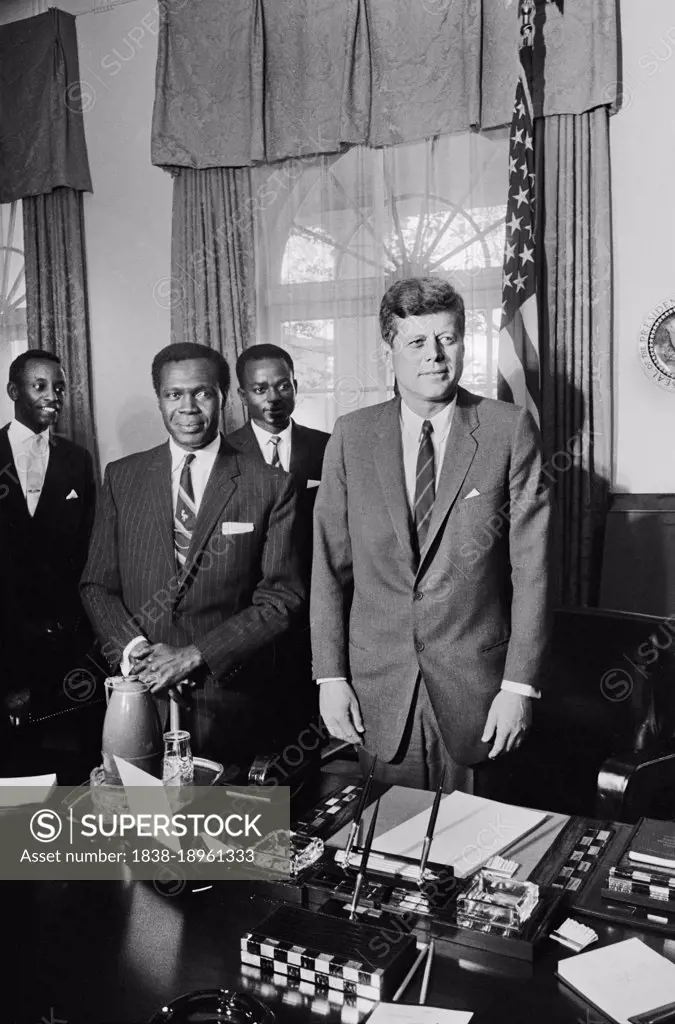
(305, 851)
(214, 1006)
(496, 903)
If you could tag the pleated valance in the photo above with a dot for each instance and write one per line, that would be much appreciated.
(254, 81)
(42, 144)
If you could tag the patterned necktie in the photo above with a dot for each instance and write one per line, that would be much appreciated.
(185, 515)
(274, 441)
(425, 483)
(35, 472)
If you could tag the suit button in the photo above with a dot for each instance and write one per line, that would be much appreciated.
(418, 595)
(419, 646)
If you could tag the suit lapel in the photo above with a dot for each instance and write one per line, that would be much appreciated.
(247, 442)
(158, 494)
(300, 456)
(56, 479)
(459, 454)
(219, 490)
(9, 479)
(388, 451)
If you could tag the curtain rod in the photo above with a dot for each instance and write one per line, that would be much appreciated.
(100, 8)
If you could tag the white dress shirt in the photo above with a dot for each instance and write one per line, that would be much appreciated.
(29, 452)
(200, 470)
(411, 433)
(283, 446)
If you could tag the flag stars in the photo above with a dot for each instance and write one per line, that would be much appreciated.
(520, 107)
(507, 281)
(520, 283)
(521, 196)
(514, 223)
(518, 135)
(509, 252)
(526, 255)
(512, 165)
(528, 141)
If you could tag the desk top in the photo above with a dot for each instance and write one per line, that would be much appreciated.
(113, 953)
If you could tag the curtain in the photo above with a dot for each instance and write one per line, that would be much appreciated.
(42, 144)
(575, 314)
(213, 279)
(256, 81)
(56, 300)
(333, 232)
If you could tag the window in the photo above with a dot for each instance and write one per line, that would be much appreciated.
(13, 332)
(342, 228)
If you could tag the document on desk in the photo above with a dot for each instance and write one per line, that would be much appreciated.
(397, 1013)
(469, 830)
(28, 789)
(624, 980)
(146, 795)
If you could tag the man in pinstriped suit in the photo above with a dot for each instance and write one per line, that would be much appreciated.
(191, 573)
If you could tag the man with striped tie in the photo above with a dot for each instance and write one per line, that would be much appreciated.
(269, 389)
(432, 531)
(191, 573)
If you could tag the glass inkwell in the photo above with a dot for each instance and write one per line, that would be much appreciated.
(493, 903)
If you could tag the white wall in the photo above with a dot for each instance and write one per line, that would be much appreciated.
(643, 176)
(127, 221)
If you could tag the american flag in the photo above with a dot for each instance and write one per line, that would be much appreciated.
(519, 371)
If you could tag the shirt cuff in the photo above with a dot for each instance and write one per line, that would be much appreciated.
(331, 679)
(125, 667)
(524, 689)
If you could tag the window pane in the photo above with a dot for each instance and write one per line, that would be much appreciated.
(351, 224)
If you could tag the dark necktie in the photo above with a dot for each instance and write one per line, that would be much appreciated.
(425, 484)
(275, 460)
(186, 513)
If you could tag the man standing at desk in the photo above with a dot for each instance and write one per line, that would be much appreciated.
(191, 574)
(431, 532)
(47, 498)
(268, 387)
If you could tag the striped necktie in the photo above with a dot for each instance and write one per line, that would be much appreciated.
(425, 483)
(185, 515)
(274, 441)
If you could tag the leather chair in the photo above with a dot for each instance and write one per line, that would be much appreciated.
(603, 741)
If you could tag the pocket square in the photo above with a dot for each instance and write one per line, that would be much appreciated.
(230, 528)
(472, 494)
(313, 483)
(73, 494)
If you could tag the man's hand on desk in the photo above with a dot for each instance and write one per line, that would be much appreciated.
(340, 710)
(507, 722)
(165, 668)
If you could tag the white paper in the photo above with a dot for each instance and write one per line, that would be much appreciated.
(621, 980)
(397, 1013)
(313, 483)
(37, 788)
(135, 781)
(469, 830)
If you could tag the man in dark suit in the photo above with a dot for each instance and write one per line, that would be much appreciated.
(191, 574)
(433, 511)
(268, 387)
(47, 493)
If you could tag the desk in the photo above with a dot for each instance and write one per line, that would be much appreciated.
(112, 953)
